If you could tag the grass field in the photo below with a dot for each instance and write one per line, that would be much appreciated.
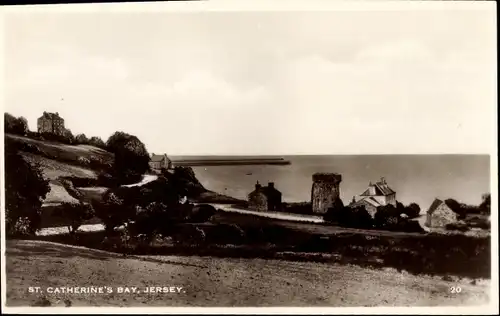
(63, 152)
(220, 282)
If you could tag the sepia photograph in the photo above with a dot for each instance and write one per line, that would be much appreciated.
(306, 157)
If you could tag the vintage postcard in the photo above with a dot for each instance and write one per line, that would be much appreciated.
(250, 157)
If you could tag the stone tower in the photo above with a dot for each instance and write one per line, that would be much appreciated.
(325, 190)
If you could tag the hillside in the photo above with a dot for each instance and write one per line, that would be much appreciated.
(220, 282)
(59, 161)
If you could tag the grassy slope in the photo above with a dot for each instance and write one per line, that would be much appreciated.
(221, 282)
(66, 164)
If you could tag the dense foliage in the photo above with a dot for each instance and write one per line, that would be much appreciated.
(75, 214)
(131, 157)
(25, 189)
(15, 125)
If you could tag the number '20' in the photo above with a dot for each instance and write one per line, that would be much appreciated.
(456, 289)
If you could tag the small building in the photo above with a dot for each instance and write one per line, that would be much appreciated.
(159, 162)
(440, 214)
(266, 198)
(376, 195)
(51, 123)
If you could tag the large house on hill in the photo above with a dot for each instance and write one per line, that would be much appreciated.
(440, 214)
(266, 198)
(159, 162)
(376, 195)
(51, 123)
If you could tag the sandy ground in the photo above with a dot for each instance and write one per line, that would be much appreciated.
(207, 281)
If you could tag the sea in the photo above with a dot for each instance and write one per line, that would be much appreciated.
(415, 178)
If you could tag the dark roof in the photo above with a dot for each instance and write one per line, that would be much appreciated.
(266, 190)
(157, 158)
(434, 206)
(379, 188)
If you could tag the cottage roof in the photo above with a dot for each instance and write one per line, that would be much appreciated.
(367, 200)
(377, 189)
(157, 158)
(434, 206)
(266, 190)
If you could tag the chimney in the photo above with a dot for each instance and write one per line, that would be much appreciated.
(370, 184)
(271, 185)
(152, 154)
(257, 186)
(382, 179)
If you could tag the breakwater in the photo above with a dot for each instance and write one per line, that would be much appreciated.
(229, 162)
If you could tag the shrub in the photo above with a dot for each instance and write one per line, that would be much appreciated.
(485, 206)
(70, 188)
(387, 217)
(202, 213)
(83, 161)
(460, 226)
(337, 213)
(412, 210)
(112, 211)
(25, 189)
(75, 214)
(226, 234)
(97, 142)
(15, 125)
(355, 217)
(81, 139)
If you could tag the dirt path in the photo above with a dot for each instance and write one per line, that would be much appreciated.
(211, 281)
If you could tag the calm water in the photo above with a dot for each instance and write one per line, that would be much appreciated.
(415, 178)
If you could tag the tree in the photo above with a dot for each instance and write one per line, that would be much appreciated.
(412, 210)
(360, 218)
(131, 156)
(75, 214)
(15, 125)
(81, 139)
(387, 217)
(67, 136)
(112, 211)
(337, 213)
(485, 206)
(25, 189)
(97, 142)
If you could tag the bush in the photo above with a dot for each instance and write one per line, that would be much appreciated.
(112, 211)
(412, 210)
(460, 226)
(81, 139)
(97, 142)
(202, 213)
(25, 189)
(15, 125)
(74, 214)
(226, 234)
(83, 161)
(354, 217)
(485, 206)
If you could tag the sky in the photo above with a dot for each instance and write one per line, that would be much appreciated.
(250, 83)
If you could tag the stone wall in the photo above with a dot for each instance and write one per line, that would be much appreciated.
(325, 190)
